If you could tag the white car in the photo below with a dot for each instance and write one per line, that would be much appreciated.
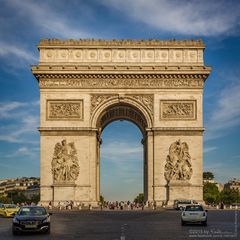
(193, 214)
(181, 204)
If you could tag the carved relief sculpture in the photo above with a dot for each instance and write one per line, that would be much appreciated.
(178, 165)
(145, 99)
(97, 99)
(65, 167)
(111, 83)
(61, 110)
(178, 109)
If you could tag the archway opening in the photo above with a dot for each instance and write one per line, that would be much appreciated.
(122, 167)
(121, 162)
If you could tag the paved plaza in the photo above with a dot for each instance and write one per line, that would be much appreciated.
(126, 225)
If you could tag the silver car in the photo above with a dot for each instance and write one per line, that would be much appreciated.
(193, 214)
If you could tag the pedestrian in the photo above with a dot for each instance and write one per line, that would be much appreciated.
(154, 205)
(50, 205)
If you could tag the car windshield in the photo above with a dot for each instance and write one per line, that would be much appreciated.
(193, 208)
(10, 206)
(27, 211)
(184, 202)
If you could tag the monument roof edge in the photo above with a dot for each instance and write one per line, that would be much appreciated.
(198, 43)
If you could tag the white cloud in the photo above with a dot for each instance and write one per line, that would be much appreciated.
(24, 152)
(19, 122)
(226, 113)
(13, 51)
(46, 17)
(203, 17)
(6, 109)
(121, 151)
(209, 149)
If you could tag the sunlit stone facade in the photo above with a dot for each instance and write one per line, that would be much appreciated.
(87, 84)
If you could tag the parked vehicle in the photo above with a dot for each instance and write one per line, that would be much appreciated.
(31, 219)
(8, 210)
(181, 204)
(193, 214)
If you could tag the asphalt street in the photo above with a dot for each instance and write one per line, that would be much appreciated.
(129, 225)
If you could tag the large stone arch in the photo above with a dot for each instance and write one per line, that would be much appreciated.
(123, 109)
(84, 82)
(135, 102)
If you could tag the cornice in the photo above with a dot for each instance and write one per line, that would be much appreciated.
(178, 131)
(67, 129)
(119, 76)
(200, 129)
(122, 68)
(120, 43)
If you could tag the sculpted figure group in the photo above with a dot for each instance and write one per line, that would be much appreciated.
(65, 167)
(178, 165)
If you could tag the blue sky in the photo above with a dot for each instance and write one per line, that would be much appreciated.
(24, 22)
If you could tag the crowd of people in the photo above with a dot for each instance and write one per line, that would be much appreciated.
(111, 205)
(124, 205)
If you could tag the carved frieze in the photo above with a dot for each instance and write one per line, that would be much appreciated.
(65, 167)
(178, 109)
(126, 82)
(87, 50)
(82, 55)
(98, 99)
(64, 109)
(143, 99)
(178, 163)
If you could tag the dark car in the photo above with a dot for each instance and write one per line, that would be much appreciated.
(31, 219)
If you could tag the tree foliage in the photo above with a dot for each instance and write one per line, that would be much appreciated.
(208, 176)
(4, 199)
(19, 197)
(101, 199)
(210, 193)
(229, 196)
(139, 198)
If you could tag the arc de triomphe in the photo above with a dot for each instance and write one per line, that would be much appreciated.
(87, 84)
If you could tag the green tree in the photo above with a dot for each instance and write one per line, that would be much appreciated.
(17, 197)
(139, 198)
(4, 199)
(101, 199)
(208, 176)
(35, 198)
(230, 196)
(210, 193)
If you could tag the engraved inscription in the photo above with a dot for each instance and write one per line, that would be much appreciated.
(178, 109)
(65, 110)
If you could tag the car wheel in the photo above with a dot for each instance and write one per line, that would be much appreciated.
(204, 223)
(183, 223)
(14, 231)
(48, 231)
